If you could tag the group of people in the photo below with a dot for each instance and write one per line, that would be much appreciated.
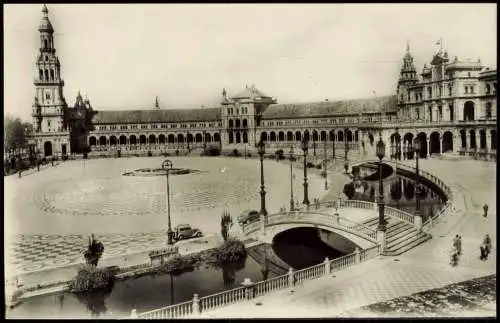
(456, 251)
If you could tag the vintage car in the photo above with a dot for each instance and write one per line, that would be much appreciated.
(248, 216)
(185, 231)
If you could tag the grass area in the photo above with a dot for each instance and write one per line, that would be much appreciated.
(451, 300)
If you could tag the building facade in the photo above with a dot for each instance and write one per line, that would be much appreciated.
(450, 106)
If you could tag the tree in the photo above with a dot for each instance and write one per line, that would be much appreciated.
(94, 251)
(15, 134)
(226, 223)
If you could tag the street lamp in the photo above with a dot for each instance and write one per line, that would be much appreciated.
(416, 149)
(167, 166)
(291, 179)
(333, 146)
(380, 150)
(325, 163)
(346, 149)
(262, 151)
(305, 144)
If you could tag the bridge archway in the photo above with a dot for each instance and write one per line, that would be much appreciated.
(447, 142)
(435, 143)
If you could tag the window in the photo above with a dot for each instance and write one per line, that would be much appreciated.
(48, 123)
(472, 89)
(429, 92)
(488, 110)
(144, 126)
(466, 89)
(450, 88)
(488, 89)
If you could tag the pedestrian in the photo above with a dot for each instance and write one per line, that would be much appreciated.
(485, 208)
(459, 244)
(487, 243)
(454, 257)
(484, 255)
(455, 242)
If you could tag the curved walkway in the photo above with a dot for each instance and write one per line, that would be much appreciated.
(423, 268)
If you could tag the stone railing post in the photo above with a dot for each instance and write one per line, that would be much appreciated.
(337, 219)
(133, 314)
(249, 290)
(196, 305)
(327, 266)
(381, 241)
(291, 277)
(418, 222)
(357, 255)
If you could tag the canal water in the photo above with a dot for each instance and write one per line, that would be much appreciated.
(297, 248)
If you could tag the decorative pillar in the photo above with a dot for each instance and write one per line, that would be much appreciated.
(467, 141)
(440, 145)
(328, 268)
(428, 147)
(357, 255)
(291, 277)
(381, 241)
(196, 305)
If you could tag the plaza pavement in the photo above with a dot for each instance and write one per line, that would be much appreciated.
(384, 278)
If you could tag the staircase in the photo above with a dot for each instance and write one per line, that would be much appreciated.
(399, 236)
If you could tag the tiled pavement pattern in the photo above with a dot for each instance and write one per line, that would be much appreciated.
(38, 252)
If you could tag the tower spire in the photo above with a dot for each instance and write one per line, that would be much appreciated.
(157, 105)
(407, 45)
(45, 10)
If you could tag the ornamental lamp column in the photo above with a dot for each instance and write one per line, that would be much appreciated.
(263, 212)
(380, 151)
(167, 166)
(418, 219)
(291, 178)
(305, 147)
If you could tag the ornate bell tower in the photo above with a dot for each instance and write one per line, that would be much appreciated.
(49, 106)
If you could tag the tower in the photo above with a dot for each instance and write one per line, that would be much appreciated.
(49, 106)
(407, 76)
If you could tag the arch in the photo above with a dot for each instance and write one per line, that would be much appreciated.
(40, 74)
(435, 143)
(323, 135)
(315, 135)
(422, 137)
(245, 123)
(281, 136)
(142, 139)
(231, 137)
(171, 138)
(272, 136)
(332, 135)
(102, 140)
(198, 137)
(289, 136)
(340, 135)
(306, 135)
(463, 138)
(237, 125)
(152, 139)
(133, 140)
(92, 141)
(47, 148)
(46, 72)
(482, 139)
(45, 43)
(180, 137)
(230, 123)
(356, 135)
(208, 137)
(298, 136)
(161, 139)
(447, 142)
(238, 137)
(263, 136)
(349, 135)
(469, 111)
(245, 137)
(123, 140)
(472, 134)
(189, 137)
(51, 74)
(112, 140)
(407, 145)
(493, 139)
(409, 190)
(216, 137)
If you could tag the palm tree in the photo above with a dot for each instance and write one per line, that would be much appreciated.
(94, 251)
(226, 223)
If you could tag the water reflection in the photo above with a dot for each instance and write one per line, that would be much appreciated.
(94, 301)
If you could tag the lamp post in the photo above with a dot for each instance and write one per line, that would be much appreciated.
(262, 151)
(325, 163)
(167, 166)
(416, 152)
(380, 154)
(346, 149)
(305, 144)
(291, 179)
(333, 146)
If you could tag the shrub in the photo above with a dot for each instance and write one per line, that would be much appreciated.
(230, 251)
(318, 166)
(310, 165)
(90, 278)
(349, 190)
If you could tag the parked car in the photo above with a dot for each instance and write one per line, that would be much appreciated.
(185, 231)
(248, 216)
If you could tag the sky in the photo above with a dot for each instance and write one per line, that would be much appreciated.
(124, 55)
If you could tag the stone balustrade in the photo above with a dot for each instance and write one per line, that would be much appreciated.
(250, 290)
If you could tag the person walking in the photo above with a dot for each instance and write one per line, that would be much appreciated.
(454, 257)
(487, 243)
(485, 209)
(484, 255)
(459, 244)
(455, 241)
